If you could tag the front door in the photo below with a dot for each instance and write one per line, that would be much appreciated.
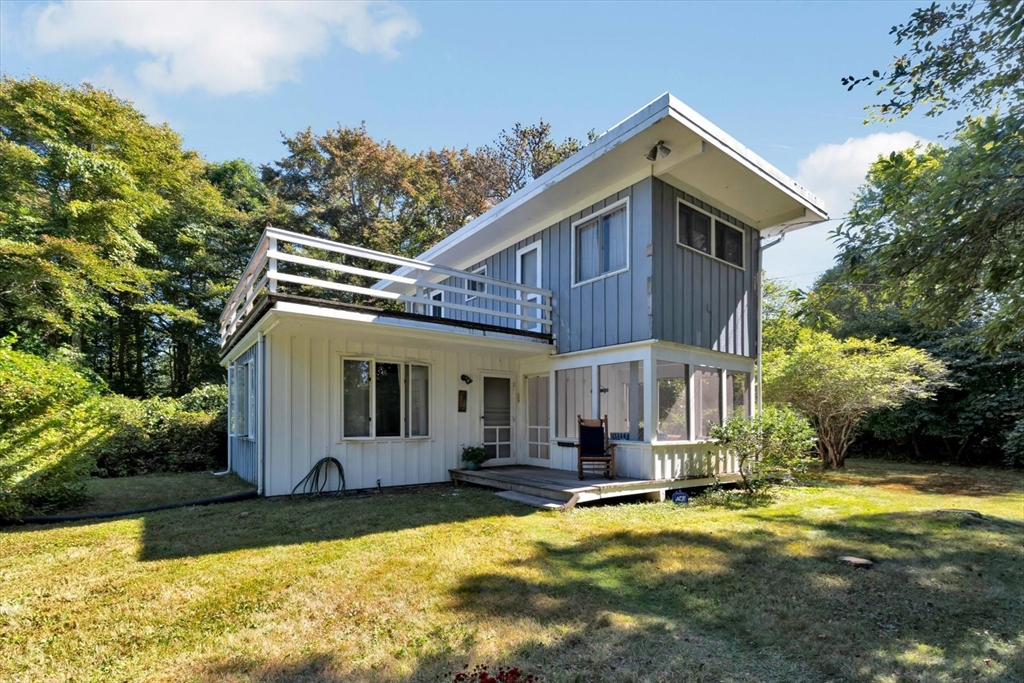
(497, 419)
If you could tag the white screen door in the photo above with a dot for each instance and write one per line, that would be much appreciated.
(538, 416)
(498, 417)
(528, 273)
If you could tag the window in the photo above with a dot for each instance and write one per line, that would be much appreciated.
(711, 236)
(241, 384)
(475, 286)
(620, 397)
(601, 243)
(436, 311)
(706, 399)
(737, 394)
(572, 398)
(377, 398)
(673, 407)
(528, 273)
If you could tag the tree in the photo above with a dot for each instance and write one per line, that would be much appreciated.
(948, 222)
(838, 383)
(773, 444)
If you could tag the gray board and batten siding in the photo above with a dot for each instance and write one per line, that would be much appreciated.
(615, 309)
(699, 300)
(669, 292)
(244, 450)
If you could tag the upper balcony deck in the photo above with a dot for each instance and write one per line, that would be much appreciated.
(290, 267)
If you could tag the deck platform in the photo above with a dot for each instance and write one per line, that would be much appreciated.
(565, 489)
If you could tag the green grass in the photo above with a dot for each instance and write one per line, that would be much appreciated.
(405, 587)
(151, 490)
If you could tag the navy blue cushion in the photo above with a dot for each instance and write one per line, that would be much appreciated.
(591, 440)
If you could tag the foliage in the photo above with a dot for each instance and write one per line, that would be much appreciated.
(945, 227)
(780, 316)
(947, 224)
(481, 674)
(59, 427)
(771, 446)
(1014, 446)
(966, 55)
(477, 454)
(30, 385)
(838, 383)
(971, 415)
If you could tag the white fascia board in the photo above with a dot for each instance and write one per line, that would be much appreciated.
(732, 147)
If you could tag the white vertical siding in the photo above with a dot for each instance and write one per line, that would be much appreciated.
(304, 412)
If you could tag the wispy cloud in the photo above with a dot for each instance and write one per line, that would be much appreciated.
(221, 47)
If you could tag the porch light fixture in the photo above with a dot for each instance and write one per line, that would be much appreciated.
(661, 148)
(467, 379)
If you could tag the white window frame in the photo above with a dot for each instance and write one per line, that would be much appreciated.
(586, 219)
(403, 399)
(713, 236)
(529, 297)
(482, 270)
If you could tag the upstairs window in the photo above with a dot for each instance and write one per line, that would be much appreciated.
(700, 231)
(601, 243)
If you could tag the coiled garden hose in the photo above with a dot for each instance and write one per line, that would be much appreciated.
(315, 483)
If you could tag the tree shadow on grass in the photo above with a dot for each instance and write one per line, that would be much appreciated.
(935, 608)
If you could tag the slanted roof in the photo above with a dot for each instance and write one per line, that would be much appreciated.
(704, 159)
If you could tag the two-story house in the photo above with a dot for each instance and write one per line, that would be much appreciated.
(624, 282)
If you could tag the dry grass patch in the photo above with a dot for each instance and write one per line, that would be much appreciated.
(407, 587)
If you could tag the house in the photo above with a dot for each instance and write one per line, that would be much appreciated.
(624, 282)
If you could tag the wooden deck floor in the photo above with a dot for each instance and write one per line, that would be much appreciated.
(566, 489)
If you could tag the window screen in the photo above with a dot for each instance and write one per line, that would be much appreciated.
(673, 407)
(728, 244)
(355, 382)
(694, 229)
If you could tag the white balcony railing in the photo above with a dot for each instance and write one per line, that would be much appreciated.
(287, 263)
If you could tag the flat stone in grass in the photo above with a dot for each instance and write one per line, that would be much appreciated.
(955, 511)
(856, 562)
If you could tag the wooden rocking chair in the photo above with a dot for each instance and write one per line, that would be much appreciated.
(594, 451)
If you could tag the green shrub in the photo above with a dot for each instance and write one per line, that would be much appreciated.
(1014, 446)
(29, 385)
(772, 446)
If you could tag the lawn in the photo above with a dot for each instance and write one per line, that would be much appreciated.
(405, 587)
(151, 490)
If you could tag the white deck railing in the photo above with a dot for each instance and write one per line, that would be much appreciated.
(524, 308)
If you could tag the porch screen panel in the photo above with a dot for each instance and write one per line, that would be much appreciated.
(673, 405)
(388, 400)
(417, 391)
(572, 398)
(621, 399)
(355, 383)
(737, 394)
(614, 240)
(706, 399)
(537, 427)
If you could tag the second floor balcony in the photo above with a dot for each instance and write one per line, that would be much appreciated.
(295, 268)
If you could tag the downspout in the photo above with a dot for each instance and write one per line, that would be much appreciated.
(261, 412)
(760, 318)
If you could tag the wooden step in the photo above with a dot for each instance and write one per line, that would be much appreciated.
(536, 501)
(515, 484)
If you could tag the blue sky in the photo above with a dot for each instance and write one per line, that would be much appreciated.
(231, 77)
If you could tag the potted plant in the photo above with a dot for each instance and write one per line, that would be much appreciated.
(473, 456)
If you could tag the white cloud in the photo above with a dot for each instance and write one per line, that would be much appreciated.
(222, 47)
(833, 172)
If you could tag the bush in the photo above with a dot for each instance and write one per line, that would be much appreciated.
(29, 385)
(156, 435)
(1014, 446)
(57, 428)
(772, 446)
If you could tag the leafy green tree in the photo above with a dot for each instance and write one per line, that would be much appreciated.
(838, 383)
(947, 222)
(773, 445)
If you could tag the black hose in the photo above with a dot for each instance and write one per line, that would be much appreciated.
(53, 519)
(315, 483)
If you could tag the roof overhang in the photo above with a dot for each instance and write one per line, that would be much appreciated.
(704, 160)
